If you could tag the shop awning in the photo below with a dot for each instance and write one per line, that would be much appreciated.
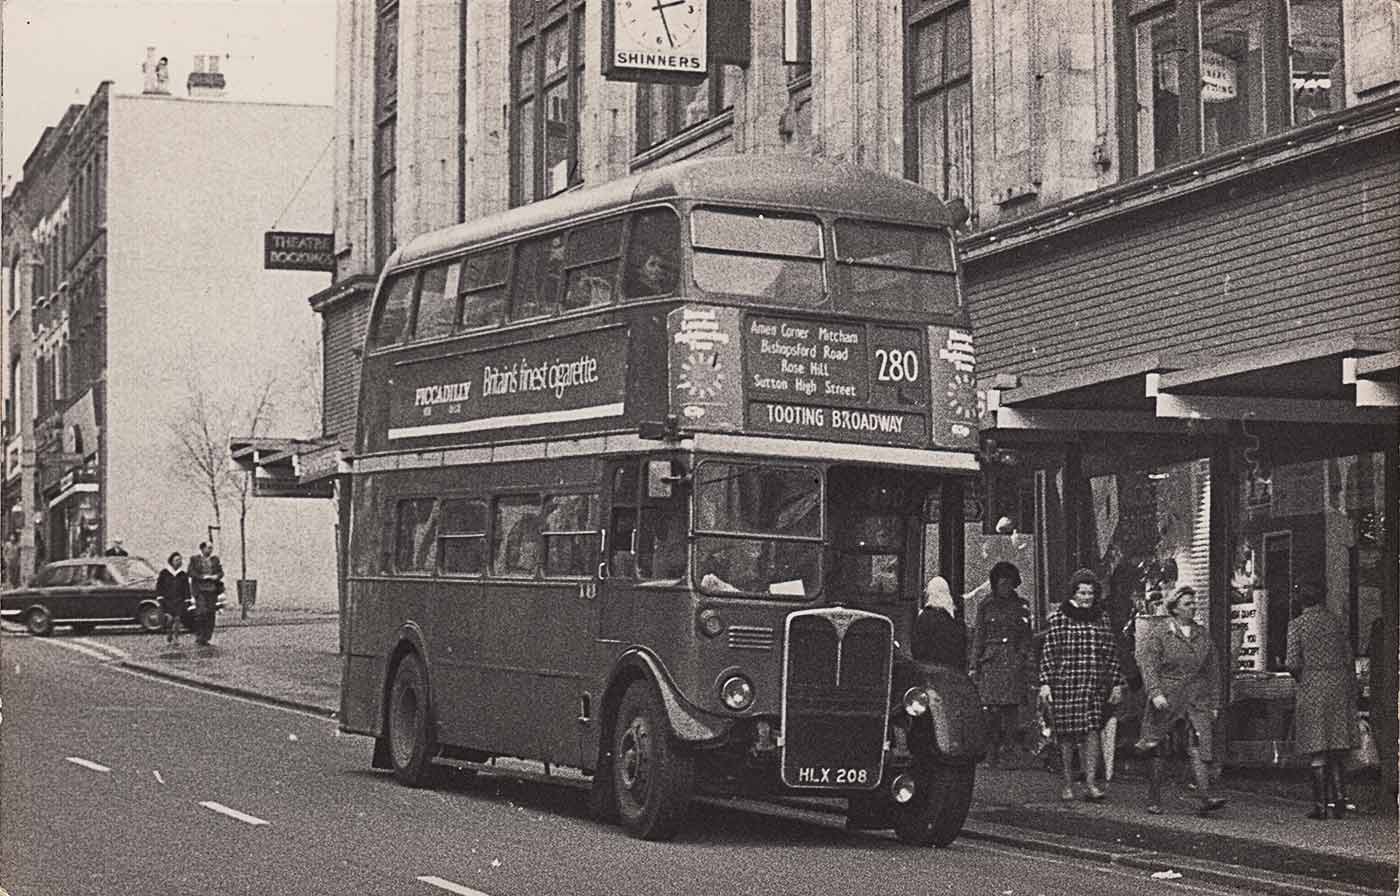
(1347, 380)
(277, 466)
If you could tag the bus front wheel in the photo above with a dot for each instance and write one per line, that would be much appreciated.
(935, 815)
(410, 733)
(652, 775)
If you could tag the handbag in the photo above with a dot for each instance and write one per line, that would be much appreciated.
(1365, 754)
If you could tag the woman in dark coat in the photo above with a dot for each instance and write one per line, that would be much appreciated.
(1324, 712)
(1001, 646)
(939, 636)
(173, 588)
(1079, 675)
(1182, 681)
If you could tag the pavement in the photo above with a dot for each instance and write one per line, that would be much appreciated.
(1261, 840)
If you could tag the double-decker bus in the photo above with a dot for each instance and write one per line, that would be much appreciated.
(647, 482)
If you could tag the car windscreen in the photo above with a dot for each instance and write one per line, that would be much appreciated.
(129, 570)
(751, 253)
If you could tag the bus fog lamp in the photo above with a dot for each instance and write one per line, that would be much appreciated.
(737, 692)
(710, 623)
(916, 701)
(902, 788)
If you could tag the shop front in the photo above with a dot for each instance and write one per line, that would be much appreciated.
(73, 515)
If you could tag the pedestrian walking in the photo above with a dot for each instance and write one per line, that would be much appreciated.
(173, 587)
(1182, 681)
(1324, 713)
(9, 558)
(1079, 677)
(940, 637)
(1001, 646)
(207, 583)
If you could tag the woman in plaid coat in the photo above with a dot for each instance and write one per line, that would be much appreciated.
(1079, 676)
(1324, 712)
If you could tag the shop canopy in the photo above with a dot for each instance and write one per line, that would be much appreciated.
(280, 466)
(1343, 380)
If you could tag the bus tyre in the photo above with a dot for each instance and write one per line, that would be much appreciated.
(410, 733)
(652, 774)
(936, 813)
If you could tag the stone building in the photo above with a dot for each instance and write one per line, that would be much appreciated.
(1180, 259)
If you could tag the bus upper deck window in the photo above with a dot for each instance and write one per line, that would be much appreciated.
(592, 264)
(539, 277)
(437, 301)
(776, 257)
(653, 255)
(484, 288)
(896, 267)
(394, 306)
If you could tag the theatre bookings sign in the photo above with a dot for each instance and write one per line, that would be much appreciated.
(289, 250)
(655, 40)
(564, 380)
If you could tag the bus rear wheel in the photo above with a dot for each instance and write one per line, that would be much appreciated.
(653, 776)
(410, 732)
(935, 815)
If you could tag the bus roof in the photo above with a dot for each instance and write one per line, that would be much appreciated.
(759, 180)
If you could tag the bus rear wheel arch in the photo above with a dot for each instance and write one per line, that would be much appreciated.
(408, 724)
(652, 772)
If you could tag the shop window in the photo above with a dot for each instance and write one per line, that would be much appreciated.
(938, 41)
(570, 535)
(1261, 66)
(1316, 519)
(415, 535)
(484, 288)
(462, 537)
(547, 78)
(667, 110)
(515, 526)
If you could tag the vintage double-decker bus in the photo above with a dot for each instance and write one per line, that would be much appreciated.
(647, 482)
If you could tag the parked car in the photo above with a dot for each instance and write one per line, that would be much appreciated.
(86, 592)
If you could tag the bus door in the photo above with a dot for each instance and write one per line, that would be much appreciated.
(646, 545)
(875, 520)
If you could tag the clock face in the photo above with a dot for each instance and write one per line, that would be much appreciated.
(662, 25)
(702, 376)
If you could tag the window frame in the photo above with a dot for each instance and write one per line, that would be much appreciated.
(717, 85)
(446, 536)
(384, 159)
(530, 21)
(918, 16)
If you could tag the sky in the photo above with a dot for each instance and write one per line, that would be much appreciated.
(56, 52)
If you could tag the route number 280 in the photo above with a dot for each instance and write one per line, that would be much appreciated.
(896, 365)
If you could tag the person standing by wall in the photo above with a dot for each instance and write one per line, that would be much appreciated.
(1182, 681)
(1324, 714)
(1079, 676)
(173, 586)
(207, 582)
(1001, 645)
(9, 558)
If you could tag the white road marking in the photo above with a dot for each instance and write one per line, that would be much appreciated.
(232, 813)
(110, 650)
(85, 650)
(88, 763)
(450, 887)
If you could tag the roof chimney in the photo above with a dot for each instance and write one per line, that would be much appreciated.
(205, 79)
(155, 74)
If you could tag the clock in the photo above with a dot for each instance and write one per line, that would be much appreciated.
(702, 376)
(662, 25)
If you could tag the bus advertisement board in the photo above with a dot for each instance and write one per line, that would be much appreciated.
(572, 378)
(830, 380)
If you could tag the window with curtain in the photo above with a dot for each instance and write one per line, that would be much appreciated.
(666, 110)
(938, 41)
(1201, 76)
(547, 78)
(386, 101)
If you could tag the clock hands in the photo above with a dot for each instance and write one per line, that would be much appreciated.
(660, 9)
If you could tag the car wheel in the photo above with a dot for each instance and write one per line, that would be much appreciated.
(935, 815)
(39, 621)
(82, 628)
(411, 746)
(150, 618)
(652, 774)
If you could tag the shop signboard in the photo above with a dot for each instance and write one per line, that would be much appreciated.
(291, 250)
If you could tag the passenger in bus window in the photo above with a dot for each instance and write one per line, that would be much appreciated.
(655, 275)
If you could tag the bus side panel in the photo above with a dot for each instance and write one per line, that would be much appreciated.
(456, 691)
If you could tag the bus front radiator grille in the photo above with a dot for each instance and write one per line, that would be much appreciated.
(750, 637)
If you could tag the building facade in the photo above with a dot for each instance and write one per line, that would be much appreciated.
(1180, 256)
(144, 332)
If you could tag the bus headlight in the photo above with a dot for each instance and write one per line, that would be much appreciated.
(902, 788)
(737, 692)
(710, 623)
(916, 701)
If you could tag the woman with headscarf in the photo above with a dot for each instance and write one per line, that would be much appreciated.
(1001, 644)
(1182, 680)
(1079, 676)
(1324, 713)
(939, 636)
